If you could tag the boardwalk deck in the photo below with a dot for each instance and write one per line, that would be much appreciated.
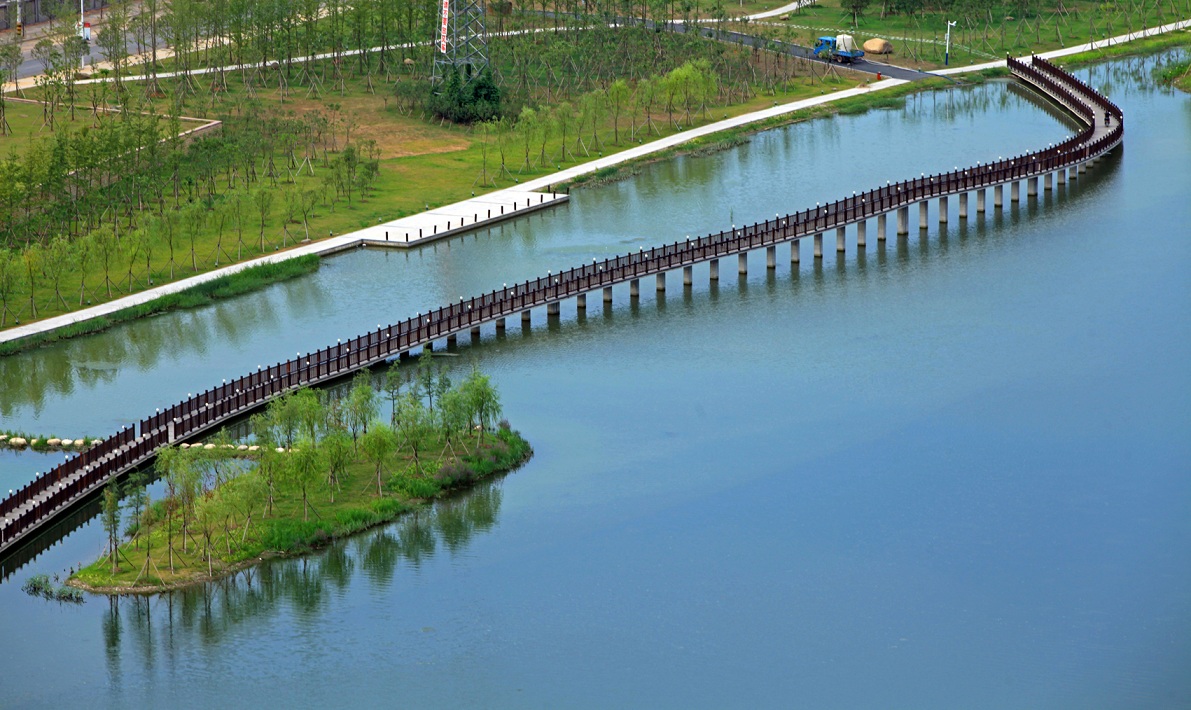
(53, 493)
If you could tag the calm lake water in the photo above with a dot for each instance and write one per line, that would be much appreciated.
(952, 471)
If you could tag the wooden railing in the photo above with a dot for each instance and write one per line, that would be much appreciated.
(53, 492)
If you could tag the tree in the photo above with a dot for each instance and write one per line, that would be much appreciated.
(856, 7)
(11, 281)
(337, 447)
(362, 405)
(262, 199)
(134, 491)
(378, 446)
(415, 424)
(394, 380)
(304, 468)
(111, 522)
(483, 400)
(618, 94)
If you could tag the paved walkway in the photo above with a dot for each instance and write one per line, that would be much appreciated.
(472, 214)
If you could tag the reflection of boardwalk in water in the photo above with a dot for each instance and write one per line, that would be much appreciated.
(41, 500)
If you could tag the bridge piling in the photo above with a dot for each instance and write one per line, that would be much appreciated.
(963, 205)
(525, 317)
(1015, 191)
(452, 341)
(607, 294)
(771, 257)
(715, 269)
(661, 282)
(581, 302)
(943, 210)
(742, 263)
(998, 197)
(881, 220)
(635, 289)
(861, 229)
(903, 221)
(923, 213)
(1062, 176)
(819, 245)
(795, 251)
(840, 245)
(553, 309)
(688, 275)
(980, 194)
(500, 324)
(1032, 187)
(475, 332)
(1047, 182)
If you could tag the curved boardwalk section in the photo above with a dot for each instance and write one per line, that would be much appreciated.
(55, 492)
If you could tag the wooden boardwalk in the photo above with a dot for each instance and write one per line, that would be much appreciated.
(54, 493)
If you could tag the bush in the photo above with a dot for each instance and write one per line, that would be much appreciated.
(389, 507)
(356, 518)
(288, 535)
(466, 102)
(415, 486)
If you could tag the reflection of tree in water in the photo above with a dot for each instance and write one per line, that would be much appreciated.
(29, 378)
(212, 613)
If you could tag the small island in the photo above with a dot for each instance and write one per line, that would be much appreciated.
(322, 465)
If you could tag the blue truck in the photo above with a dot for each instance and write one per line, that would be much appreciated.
(841, 48)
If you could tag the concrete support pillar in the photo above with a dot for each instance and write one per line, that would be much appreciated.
(475, 331)
(635, 288)
(881, 219)
(715, 269)
(452, 341)
(795, 251)
(943, 210)
(525, 317)
(923, 213)
(840, 244)
(998, 196)
(980, 200)
(771, 257)
(1032, 187)
(1083, 167)
(428, 347)
(607, 294)
(1048, 182)
(553, 309)
(688, 275)
(661, 282)
(903, 220)
(1062, 176)
(819, 245)
(500, 323)
(742, 263)
(1015, 191)
(861, 233)
(963, 205)
(581, 302)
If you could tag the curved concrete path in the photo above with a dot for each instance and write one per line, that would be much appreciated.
(442, 218)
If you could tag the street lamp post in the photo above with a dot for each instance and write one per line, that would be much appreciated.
(947, 51)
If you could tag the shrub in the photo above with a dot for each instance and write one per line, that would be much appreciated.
(356, 518)
(286, 535)
(389, 507)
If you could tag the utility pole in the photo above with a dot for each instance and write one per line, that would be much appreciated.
(947, 51)
(462, 42)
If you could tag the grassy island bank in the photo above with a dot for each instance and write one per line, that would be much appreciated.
(324, 466)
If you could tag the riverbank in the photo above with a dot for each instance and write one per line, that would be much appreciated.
(727, 132)
(180, 295)
(146, 565)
